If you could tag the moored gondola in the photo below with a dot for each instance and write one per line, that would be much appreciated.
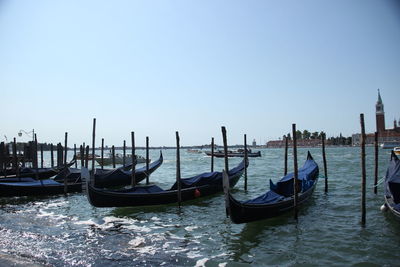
(278, 199)
(32, 187)
(392, 186)
(198, 186)
(113, 177)
(39, 173)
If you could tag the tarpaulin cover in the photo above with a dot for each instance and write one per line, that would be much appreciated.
(33, 183)
(269, 197)
(207, 178)
(306, 176)
(120, 176)
(13, 179)
(392, 179)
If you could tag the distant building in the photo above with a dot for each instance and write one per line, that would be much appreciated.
(254, 143)
(300, 143)
(384, 135)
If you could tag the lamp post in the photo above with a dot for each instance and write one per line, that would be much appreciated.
(27, 133)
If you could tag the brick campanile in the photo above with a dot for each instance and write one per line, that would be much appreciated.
(380, 115)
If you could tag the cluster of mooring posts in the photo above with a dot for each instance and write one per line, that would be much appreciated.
(295, 166)
(124, 162)
(9, 162)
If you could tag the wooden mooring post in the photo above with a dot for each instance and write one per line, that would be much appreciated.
(245, 160)
(376, 164)
(124, 154)
(51, 155)
(2, 159)
(93, 149)
(147, 160)
(82, 151)
(133, 182)
(363, 171)
(113, 156)
(212, 154)
(295, 195)
(178, 169)
(324, 160)
(36, 159)
(15, 158)
(102, 153)
(225, 149)
(41, 156)
(65, 162)
(87, 157)
(286, 155)
(76, 162)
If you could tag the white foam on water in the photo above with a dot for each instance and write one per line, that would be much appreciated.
(191, 228)
(201, 262)
(136, 242)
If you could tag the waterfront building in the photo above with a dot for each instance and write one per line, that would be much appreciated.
(384, 135)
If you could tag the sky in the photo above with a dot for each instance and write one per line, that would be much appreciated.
(156, 67)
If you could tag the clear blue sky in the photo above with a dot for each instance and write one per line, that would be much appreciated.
(155, 67)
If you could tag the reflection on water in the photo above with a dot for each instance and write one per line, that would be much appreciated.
(66, 230)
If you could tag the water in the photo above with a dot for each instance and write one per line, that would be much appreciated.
(67, 231)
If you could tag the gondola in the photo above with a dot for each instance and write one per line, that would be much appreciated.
(238, 153)
(278, 199)
(112, 177)
(392, 186)
(39, 173)
(33, 187)
(191, 188)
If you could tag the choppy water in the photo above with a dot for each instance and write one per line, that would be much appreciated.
(67, 231)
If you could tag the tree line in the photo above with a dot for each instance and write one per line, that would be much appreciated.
(307, 135)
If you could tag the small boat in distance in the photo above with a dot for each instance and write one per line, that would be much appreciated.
(119, 159)
(194, 151)
(396, 150)
(390, 144)
(237, 153)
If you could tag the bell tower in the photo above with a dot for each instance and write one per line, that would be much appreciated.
(380, 115)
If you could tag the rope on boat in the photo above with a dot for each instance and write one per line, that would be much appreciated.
(379, 182)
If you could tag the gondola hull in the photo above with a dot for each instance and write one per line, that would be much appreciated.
(391, 206)
(129, 198)
(392, 186)
(18, 189)
(242, 213)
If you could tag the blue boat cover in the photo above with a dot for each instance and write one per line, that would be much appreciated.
(269, 197)
(284, 188)
(207, 178)
(306, 176)
(13, 179)
(33, 183)
(142, 189)
(392, 179)
(120, 174)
